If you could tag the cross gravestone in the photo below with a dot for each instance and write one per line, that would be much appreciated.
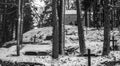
(34, 37)
(89, 55)
(114, 47)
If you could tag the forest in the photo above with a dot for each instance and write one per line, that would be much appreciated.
(34, 32)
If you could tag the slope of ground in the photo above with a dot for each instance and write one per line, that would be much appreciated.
(43, 43)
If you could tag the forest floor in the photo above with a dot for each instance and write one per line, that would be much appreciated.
(39, 52)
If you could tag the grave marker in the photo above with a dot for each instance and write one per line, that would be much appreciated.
(114, 47)
(113, 43)
(89, 55)
(34, 37)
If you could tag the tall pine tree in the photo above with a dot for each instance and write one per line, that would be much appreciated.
(80, 28)
(55, 24)
(106, 45)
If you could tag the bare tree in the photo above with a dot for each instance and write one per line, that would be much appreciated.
(55, 30)
(106, 45)
(95, 13)
(22, 18)
(4, 24)
(80, 28)
(61, 12)
(19, 28)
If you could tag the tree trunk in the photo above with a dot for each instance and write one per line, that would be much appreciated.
(1, 31)
(19, 28)
(95, 13)
(80, 28)
(89, 24)
(4, 24)
(106, 45)
(61, 27)
(68, 4)
(55, 48)
(86, 20)
(22, 18)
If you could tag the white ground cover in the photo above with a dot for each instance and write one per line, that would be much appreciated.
(92, 40)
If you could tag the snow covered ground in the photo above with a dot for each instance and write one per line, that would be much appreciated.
(43, 36)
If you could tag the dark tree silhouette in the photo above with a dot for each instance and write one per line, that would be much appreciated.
(106, 45)
(86, 5)
(27, 23)
(80, 28)
(61, 15)
(7, 21)
(55, 30)
(19, 27)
